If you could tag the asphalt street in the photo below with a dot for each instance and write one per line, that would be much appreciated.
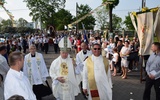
(123, 89)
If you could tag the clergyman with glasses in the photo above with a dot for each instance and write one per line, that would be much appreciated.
(97, 84)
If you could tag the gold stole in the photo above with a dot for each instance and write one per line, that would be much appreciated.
(91, 78)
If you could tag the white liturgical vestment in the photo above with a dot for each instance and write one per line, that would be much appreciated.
(16, 83)
(80, 57)
(3, 71)
(102, 79)
(69, 89)
(3, 66)
(35, 69)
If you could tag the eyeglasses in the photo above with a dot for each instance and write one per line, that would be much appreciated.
(97, 48)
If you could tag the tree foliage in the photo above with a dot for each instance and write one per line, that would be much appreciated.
(111, 5)
(61, 18)
(21, 22)
(114, 2)
(44, 9)
(117, 22)
(6, 23)
(6, 27)
(128, 23)
(102, 18)
(88, 22)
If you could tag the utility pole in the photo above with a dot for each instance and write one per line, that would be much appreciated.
(76, 17)
(143, 3)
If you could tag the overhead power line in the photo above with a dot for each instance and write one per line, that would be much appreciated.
(15, 10)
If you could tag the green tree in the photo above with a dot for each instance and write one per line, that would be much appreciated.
(111, 5)
(9, 29)
(128, 23)
(61, 18)
(44, 9)
(102, 18)
(21, 22)
(88, 22)
(117, 22)
(1, 27)
(6, 23)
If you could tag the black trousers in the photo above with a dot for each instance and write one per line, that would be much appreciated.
(148, 86)
(24, 49)
(41, 91)
(46, 47)
(55, 48)
(42, 47)
(119, 65)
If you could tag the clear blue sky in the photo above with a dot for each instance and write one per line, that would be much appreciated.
(19, 9)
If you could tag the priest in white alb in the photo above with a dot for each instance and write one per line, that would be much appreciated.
(82, 55)
(4, 67)
(97, 84)
(63, 73)
(36, 71)
(80, 58)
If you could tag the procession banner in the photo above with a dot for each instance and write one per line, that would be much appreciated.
(148, 23)
(145, 32)
(157, 24)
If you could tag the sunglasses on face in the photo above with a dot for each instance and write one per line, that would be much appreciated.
(97, 48)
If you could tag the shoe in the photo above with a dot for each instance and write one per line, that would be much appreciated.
(136, 69)
(144, 79)
(124, 77)
(113, 74)
(129, 70)
(120, 74)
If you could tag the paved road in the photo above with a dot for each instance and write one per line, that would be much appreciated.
(123, 89)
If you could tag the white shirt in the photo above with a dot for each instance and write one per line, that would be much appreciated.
(45, 40)
(115, 57)
(40, 40)
(124, 50)
(112, 45)
(16, 83)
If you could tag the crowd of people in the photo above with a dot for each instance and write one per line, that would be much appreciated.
(96, 60)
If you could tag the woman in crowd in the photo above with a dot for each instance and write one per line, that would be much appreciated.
(124, 62)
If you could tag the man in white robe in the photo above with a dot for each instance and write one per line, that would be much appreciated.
(80, 58)
(97, 84)
(62, 72)
(3, 70)
(82, 55)
(36, 71)
(16, 83)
